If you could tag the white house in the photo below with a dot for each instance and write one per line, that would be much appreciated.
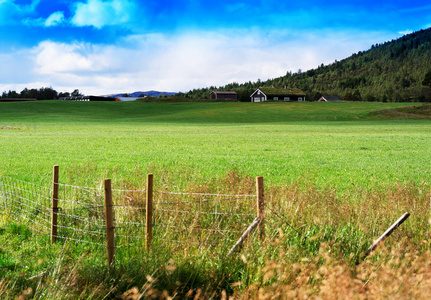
(275, 94)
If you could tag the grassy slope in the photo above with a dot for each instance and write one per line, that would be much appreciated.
(328, 144)
(191, 113)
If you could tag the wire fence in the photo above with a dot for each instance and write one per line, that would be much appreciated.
(179, 220)
(26, 202)
(202, 219)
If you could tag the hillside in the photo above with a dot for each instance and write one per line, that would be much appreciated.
(70, 112)
(390, 72)
(409, 112)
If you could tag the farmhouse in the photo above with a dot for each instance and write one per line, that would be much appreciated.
(217, 95)
(275, 94)
(329, 98)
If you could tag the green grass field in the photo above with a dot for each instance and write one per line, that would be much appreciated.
(336, 176)
(324, 144)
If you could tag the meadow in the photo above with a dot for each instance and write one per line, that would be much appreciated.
(324, 144)
(337, 174)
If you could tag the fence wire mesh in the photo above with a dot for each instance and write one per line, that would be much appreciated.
(202, 219)
(26, 202)
(180, 220)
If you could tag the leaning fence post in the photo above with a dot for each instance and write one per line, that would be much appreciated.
(109, 223)
(260, 206)
(54, 213)
(149, 213)
(244, 235)
(387, 233)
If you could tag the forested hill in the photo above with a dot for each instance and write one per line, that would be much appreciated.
(393, 71)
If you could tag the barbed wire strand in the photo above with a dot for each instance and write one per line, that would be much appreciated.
(78, 240)
(203, 194)
(27, 199)
(26, 182)
(205, 212)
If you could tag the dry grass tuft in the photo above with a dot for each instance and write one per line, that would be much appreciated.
(400, 273)
(10, 128)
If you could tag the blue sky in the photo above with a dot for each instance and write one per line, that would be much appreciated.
(111, 46)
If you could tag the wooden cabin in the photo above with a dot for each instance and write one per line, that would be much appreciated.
(223, 95)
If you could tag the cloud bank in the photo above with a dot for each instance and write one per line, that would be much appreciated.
(183, 62)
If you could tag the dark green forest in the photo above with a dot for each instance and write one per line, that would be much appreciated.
(44, 93)
(395, 71)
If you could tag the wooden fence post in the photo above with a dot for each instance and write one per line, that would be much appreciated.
(149, 213)
(3, 194)
(260, 206)
(109, 223)
(54, 213)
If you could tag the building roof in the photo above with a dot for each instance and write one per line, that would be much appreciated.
(330, 98)
(224, 92)
(281, 91)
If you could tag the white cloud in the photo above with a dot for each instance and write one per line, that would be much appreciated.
(183, 62)
(58, 58)
(55, 19)
(162, 62)
(100, 13)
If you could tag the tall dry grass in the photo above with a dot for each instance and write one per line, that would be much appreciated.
(400, 273)
(315, 242)
(313, 246)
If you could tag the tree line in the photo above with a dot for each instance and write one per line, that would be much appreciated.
(44, 93)
(395, 71)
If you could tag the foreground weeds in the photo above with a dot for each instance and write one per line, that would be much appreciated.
(314, 245)
(400, 273)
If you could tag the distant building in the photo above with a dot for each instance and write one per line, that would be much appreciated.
(88, 98)
(329, 98)
(276, 94)
(217, 95)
